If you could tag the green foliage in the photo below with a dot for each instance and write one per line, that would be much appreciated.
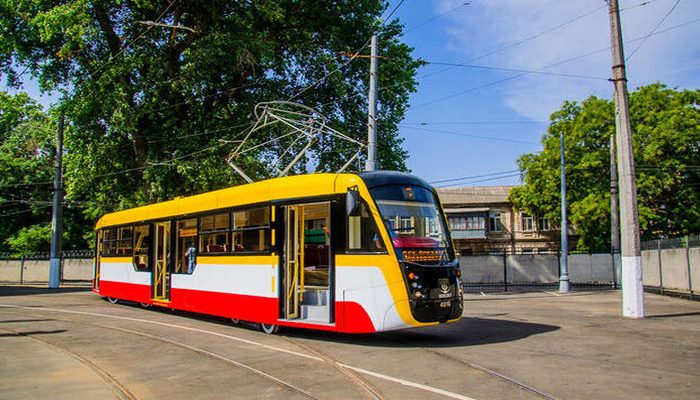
(150, 105)
(666, 141)
(35, 238)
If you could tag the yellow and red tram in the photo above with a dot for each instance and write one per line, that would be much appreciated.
(356, 253)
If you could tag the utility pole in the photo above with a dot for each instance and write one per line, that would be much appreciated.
(56, 223)
(614, 214)
(564, 260)
(632, 288)
(371, 164)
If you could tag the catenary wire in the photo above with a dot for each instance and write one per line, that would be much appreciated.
(633, 52)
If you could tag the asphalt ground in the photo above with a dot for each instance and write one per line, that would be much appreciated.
(70, 344)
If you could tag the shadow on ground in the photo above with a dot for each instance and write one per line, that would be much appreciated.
(13, 290)
(465, 332)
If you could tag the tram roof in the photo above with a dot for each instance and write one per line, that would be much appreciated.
(289, 187)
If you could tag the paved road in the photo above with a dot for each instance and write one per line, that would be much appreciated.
(70, 344)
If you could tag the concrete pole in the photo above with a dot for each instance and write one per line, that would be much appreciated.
(564, 260)
(614, 215)
(632, 288)
(56, 218)
(371, 164)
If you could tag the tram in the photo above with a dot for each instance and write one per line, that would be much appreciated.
(355, 253)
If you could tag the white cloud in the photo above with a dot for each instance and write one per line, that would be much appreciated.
(490, 25)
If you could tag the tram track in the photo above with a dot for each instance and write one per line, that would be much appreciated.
(353, 376)
(124, 393)
(478, 367)
(117, 387)
(311, 354)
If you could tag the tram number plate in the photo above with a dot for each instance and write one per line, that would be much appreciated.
(444, 304)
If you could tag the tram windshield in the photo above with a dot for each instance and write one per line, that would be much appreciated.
(415, 224)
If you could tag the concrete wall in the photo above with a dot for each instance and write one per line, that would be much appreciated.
(77, 269)
(37, 271)
(9, 271)
(531, 268)
(650, 268)
(481, 269)
(590, 268)
(670, 267)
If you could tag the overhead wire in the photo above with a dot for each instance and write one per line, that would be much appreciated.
(495, 82)
(633, 52)
(469, 135)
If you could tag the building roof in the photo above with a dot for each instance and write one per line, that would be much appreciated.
(474, 195)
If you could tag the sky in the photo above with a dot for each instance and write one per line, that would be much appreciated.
(474, 123)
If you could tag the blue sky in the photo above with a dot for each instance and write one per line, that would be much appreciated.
(471, 122)
(476, 122)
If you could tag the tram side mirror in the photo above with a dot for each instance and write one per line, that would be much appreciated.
(352, 202)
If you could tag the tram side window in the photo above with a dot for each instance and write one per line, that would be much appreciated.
(214, 233)
(186, 246)
(117, 241)
(251, 230)
(142, 242)
(363, 235)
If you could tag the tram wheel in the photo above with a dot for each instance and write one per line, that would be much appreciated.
(145, 305)
(235, 321)
(269, 328)
(113, 300)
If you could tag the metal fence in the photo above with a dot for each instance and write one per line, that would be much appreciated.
(670, 266)
(45, 255)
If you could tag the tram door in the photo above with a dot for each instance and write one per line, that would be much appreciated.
(98, 262)
(307, 266)
(161, 274)
(292, 269)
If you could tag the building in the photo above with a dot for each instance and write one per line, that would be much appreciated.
(484, 221)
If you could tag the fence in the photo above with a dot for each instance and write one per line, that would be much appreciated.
(33, 268)
(672, 265)
(507, 272)
(668, 265)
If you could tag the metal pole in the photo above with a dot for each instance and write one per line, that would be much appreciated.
(687, 260)
(564, 260)
(614, 215)
(632, 287)
(371, 164)
(661, 269)
(56, 226)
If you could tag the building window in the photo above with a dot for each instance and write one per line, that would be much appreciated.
(528, 223)
(251, 230)
(543, 224)
(472, 222)
(495, 224)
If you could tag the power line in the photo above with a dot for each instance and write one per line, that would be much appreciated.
(469, 135)
(393, 11)
(485, 180)
(492, 83)
(413, 28)
(423, 123)
(473, 177)
(486, 67)
(653, 30)
(519, 42)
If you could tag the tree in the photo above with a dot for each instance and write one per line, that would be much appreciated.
(156, 86)
(27, 153)
(666, 145)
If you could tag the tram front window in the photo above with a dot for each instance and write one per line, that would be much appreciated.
(415, 223)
